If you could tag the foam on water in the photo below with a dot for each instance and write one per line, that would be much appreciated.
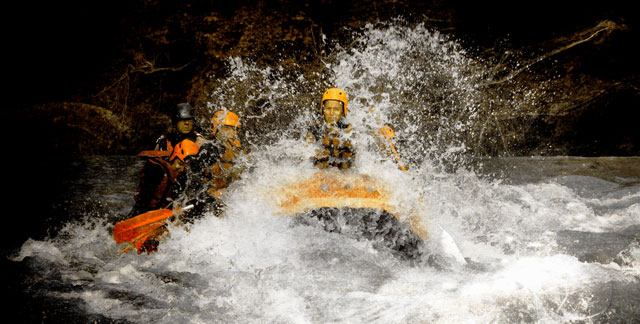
(253, 266)
(256, 266)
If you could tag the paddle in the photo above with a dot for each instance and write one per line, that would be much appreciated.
(138, 229)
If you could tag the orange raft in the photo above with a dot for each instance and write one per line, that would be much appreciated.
(337, 189)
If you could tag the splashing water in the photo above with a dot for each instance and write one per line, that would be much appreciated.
(255, 266)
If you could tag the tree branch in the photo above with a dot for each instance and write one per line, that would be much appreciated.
(592, 33)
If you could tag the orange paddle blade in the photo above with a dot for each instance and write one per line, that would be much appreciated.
(134, 227)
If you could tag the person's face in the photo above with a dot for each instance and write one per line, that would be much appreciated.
(332, 111)
(226, 132)
(184, 126)
(178, 165)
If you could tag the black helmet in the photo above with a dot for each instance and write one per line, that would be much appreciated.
(183, 111)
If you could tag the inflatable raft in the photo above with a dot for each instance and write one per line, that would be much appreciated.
(352, 204)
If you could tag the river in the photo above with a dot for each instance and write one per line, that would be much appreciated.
(547, 240)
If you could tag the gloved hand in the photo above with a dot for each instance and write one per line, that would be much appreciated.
(201, 204)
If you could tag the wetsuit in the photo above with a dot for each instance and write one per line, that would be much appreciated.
(200, 178)
(214, 169)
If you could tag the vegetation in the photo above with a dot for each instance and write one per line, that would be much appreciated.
(101, 77)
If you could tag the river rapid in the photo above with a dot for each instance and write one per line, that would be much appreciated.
(544, 239)
(552, 246)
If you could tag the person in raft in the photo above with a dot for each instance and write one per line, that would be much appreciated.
(162, 179)
(216, 162)
(333, 134)
(183, 121)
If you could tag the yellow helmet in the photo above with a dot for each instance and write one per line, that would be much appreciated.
(184, 149)
(335, 94)
(224, 117)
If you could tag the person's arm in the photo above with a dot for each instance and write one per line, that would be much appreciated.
(200, 140)
(161, 143)
(309, 138)
(386, 133)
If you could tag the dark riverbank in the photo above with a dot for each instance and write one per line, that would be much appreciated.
(100, 78)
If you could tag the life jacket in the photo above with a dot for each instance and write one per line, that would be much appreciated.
(159, 196)
(223, 171)
(336, 150)
(166, 142)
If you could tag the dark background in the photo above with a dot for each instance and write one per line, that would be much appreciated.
(59, 51)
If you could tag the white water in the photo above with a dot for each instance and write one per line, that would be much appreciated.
(252, 266)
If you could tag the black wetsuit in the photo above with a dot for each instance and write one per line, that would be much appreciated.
(199, 175)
